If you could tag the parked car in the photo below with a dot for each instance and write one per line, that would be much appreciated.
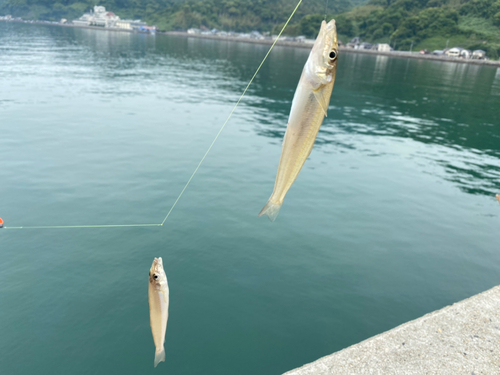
(365, 45)
(438, 52)
(424, 52)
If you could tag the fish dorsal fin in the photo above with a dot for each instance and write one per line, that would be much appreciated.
(323, 102)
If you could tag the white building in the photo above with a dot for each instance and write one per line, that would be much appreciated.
(453, 52)
(83, 20)
(465, 54)
(384, 47)
(102, 18)
(133, 25)
(123, 24)
(479, 54)
(98, 17)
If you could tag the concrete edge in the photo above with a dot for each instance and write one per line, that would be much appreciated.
(330, 364)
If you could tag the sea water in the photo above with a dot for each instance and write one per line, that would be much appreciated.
(393, 215)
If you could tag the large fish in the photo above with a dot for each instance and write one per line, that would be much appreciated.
(158, 307)
(309, 107)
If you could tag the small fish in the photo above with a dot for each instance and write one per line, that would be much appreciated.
(498, 197)
(158, 307)
(309, 107)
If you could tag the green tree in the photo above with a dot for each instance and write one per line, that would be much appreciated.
(496, 19)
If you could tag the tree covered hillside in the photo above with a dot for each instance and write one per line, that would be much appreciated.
(236, 15)
(472, 24)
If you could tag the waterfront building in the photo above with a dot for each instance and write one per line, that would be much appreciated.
(83, 20)
(134, 25)
(123, 24)
(453, 52)
(102, 18)
(98, 17)
(384, 47)
(365, 45)
(465, 54)
(479, 54)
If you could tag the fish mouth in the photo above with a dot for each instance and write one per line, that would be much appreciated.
(330, 33)
(158, 261)
(330, 25)
(157, 265)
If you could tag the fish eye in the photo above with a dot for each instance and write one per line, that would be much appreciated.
(332, 55)
(155, 276)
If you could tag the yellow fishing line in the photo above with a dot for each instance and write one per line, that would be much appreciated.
(231, 113)
(197, 167)
(86, 226)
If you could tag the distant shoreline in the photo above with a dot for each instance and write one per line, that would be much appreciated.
(77, 26)
(398, 54)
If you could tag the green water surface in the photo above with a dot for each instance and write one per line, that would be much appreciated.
(392, 216)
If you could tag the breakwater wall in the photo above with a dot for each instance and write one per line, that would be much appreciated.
(463, 338)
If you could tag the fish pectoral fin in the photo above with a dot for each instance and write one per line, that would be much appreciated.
(323, 102)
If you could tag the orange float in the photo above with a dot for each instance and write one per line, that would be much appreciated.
(1, 223)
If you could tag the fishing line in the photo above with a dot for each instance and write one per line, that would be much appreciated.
(199, 164)
(86, 226)
(230, 114)
(326, 8)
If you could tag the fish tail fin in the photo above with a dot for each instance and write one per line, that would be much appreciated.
(271, 209)
(159, 356)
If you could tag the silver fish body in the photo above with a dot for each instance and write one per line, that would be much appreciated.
(309, 107)
(158, 295)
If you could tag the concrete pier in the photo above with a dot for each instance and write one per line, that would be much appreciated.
(463, 338)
